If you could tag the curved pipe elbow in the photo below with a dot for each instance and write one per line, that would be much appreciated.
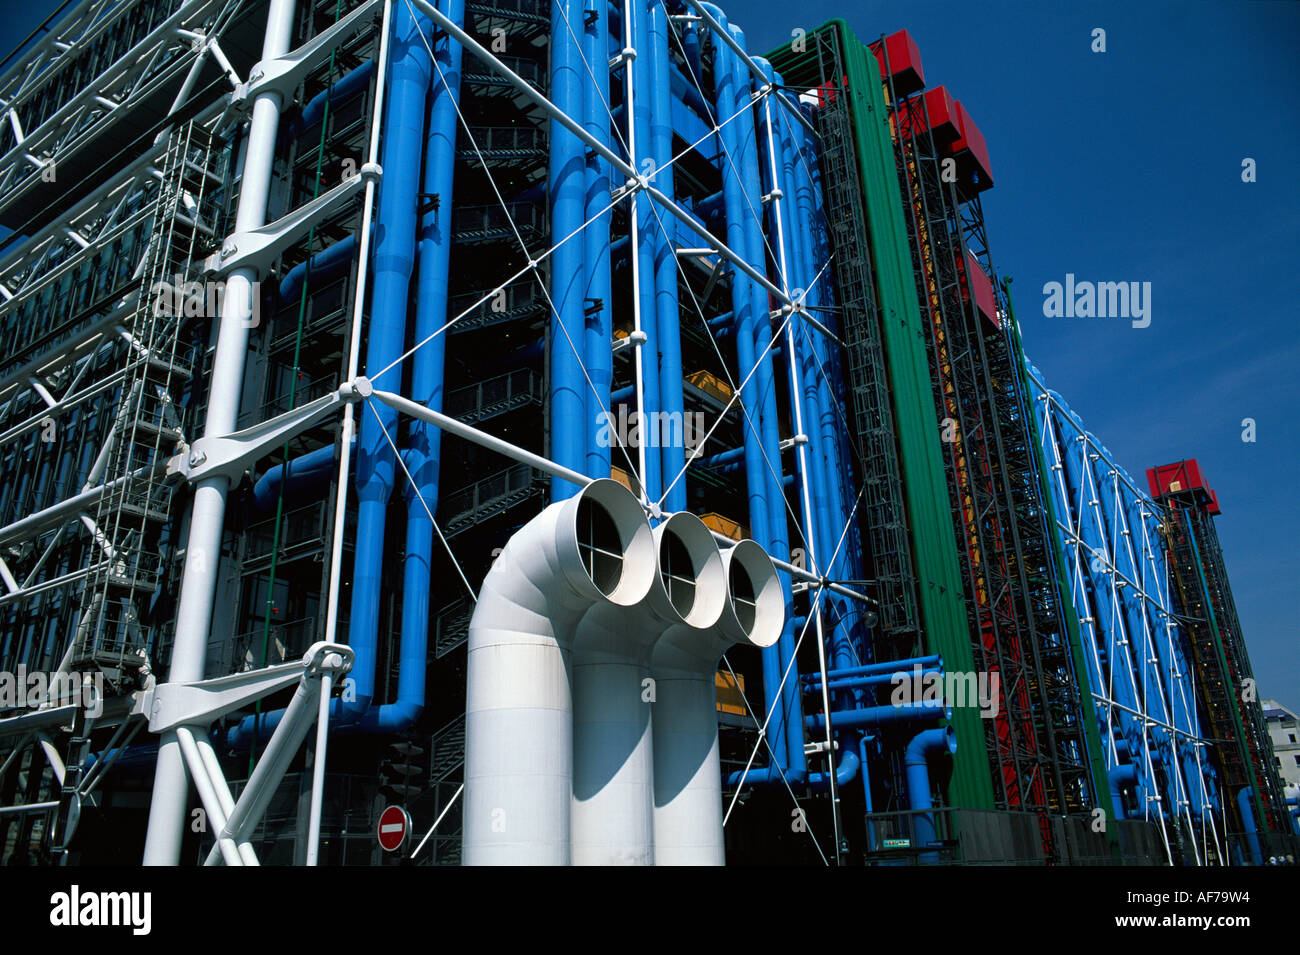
(929, 743)
(593, 548)
(845, 772)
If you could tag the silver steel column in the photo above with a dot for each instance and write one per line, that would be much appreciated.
(208, 513)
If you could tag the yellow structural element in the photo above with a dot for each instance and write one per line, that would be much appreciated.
(730, 694)
(711, 385)
(723, 525)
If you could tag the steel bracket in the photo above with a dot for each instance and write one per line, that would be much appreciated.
(231, 454)
(283, 74)
(170, 705)
(258, 248)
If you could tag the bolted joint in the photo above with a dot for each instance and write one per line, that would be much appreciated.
(333, 658)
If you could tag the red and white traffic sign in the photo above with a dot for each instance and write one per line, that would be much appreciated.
(394, 827)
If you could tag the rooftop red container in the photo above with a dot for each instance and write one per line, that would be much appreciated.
(904, 62)
(941, 109)
(972, 153)
(1182, 477)
(975, 280)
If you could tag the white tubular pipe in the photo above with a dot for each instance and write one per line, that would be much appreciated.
(614, 698)
(208, 512)
(595, 547)
(687, 769)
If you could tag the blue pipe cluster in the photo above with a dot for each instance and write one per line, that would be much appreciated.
(418, 155)
(411, 253)
(1135, 651)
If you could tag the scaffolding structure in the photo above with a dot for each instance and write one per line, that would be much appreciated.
(310, 305)
(1201, 599)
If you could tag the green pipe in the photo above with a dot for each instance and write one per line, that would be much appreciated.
(293, 395)
(940, 591)
(1261, 820)
(1100, 783)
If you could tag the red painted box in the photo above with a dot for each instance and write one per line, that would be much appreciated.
(972, 153)
(1180, 477)
(941, 110)
(904, 62)
(976, 281)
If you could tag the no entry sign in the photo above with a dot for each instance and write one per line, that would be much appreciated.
(394, 827)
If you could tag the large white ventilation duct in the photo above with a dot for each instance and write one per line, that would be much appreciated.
(687, 771)
(615, 699)
(591, 724)
(594, 548)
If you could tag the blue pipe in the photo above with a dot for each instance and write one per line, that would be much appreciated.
(659, 70)
(394, 262)
(305, 472)
(567, 177)
(425, 440)
(684, 89)
(742, 307)
(869, 668)
(730, 456)
(598, 329)
(1125, 774)
(1244, 797)
(691, 49)
(845, 772)
(881, 715)
(347, 86)
(856, 682)
(778, 174)
(649, 240)
(848, 564)
(813, 241)
(916, 768)
(325, 264)
(863, 741)
(745, 168)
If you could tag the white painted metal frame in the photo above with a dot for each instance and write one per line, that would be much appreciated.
(1144, 578)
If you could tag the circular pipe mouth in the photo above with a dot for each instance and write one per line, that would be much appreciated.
(614, 542)
(691, 585)
(950, 740)
(755, 603)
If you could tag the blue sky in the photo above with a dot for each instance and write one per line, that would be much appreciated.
(1126, 166)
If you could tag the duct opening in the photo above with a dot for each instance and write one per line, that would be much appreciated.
(743, 597)
(678, 573)
(599, 545)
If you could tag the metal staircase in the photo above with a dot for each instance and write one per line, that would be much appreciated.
(493, 495)
(148, 426)
(492, 397)
(1209, 616)
(884, 515)
(446, 772)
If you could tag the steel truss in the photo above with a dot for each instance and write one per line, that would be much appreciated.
(1206, 610)
(94, 69)
(148, 446)
(883, 519)
(1138, 670)
(1037, 746)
